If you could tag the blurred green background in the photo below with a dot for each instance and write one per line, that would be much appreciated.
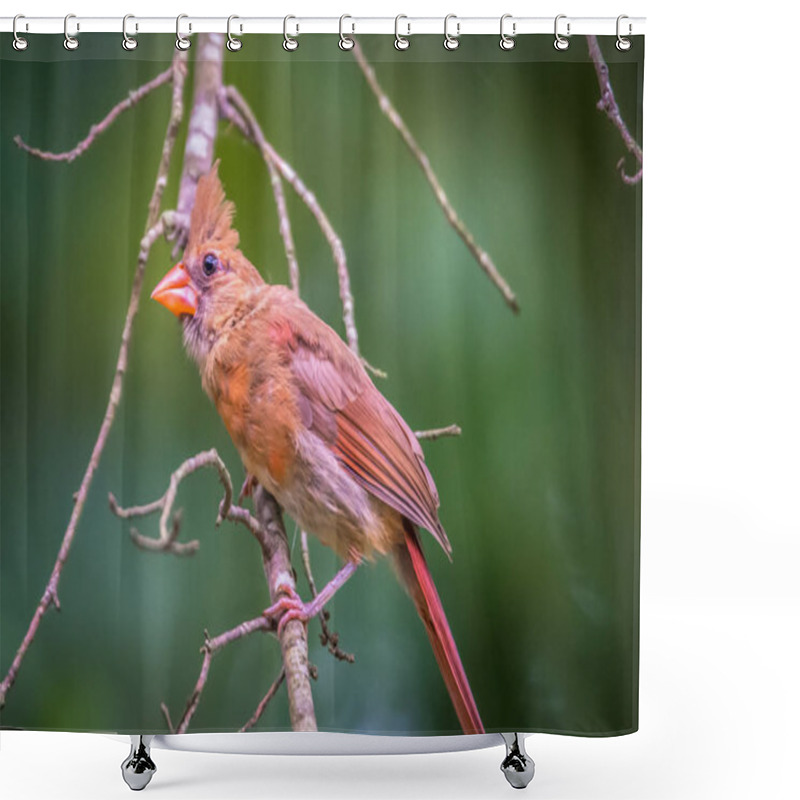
(539, 496)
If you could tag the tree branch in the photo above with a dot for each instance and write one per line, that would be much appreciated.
(608, 103)
(153, 229)
(437, 433)
(198, 154)
(236, 101)
(273, 690)
(129, 102)
(270, 533)
(327, 638)
(209, 648)
(294, 643)
(481, 256)
(168, 532)
(242, 116)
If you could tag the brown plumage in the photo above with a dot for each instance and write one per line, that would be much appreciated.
(308, 422)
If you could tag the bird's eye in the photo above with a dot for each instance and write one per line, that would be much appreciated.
(210, 264)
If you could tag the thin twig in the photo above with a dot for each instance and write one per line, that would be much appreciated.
(131, 100)
(271, 692)
(153, 229)
(167, 718)
(437, 433)
(294, 645)
(481, 256)
(212, 646)
(327, 638)
(168, 531)
(608, 103)
(269, 532)
(306, 558)
(294, 180)
(242, 116)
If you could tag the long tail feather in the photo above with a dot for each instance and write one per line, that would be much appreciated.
(417, 578)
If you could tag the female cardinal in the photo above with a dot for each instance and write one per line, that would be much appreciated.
(308, 422)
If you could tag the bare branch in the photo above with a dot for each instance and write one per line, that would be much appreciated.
(212, 646)
(236, 100)
(131, 100)
(167, 718)
(198, 154)
(294, 642)
(269, 532)
(242, 116)
(608, 103)
(168, 531)
(437, 433)
(153, 229)
(273, 690)
(481, 256)
(327, 638)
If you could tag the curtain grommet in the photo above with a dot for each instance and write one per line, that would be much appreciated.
(290, 43)
(507, 41)
(346, 42)
(70, 42)
(128, 42)
(19, 43)
(233, 44)
(451, 42)
(561, 43)
(182, 42)
(401, 42)
(623, 43)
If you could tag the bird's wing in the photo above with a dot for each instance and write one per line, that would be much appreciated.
(340, 404)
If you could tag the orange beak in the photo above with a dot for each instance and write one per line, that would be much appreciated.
(176, 292)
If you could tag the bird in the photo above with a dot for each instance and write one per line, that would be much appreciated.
(308, 422)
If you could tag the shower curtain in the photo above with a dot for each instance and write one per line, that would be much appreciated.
(468, 223)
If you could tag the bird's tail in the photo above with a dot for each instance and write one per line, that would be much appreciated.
(416, 576)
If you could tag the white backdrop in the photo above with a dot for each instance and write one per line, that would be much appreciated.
(720, 605)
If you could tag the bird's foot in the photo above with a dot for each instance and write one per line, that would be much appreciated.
(289, 606)
(248, 487)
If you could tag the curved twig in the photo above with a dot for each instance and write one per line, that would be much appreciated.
(212, 646)
(481, 256)
(253, 132)
(169, 530)
(608, 103)
(153, 229)
(327, 638)
(271, 692)
(242, 116)
(131, 100)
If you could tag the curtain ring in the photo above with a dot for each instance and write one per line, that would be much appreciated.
(560, 42)
(451, 42)
(623, 43)
(70, 42)
(507, 42)
(20, 43)
(290, 43)
(128, 42)
(401, 42)
(182, 42)
(346, 42)
(234, 44)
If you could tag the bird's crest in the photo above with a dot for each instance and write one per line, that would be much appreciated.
(212, 216)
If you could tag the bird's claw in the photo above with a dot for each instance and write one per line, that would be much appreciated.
(289, 606)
